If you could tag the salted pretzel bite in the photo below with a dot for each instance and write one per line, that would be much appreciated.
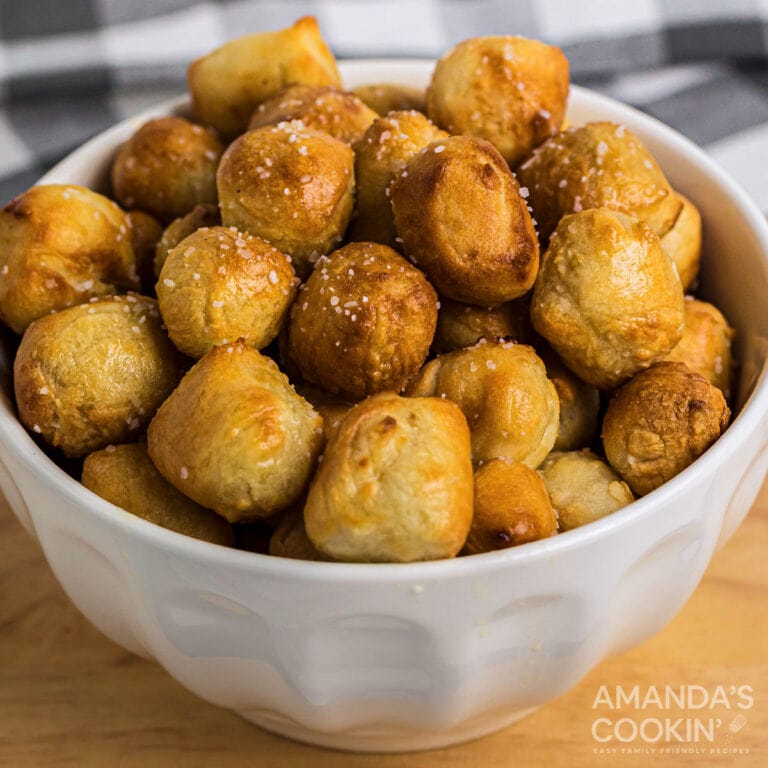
(363, 322)
(462, 219)
(597, 165)
(322, 107)
(290, 185)
(507, 89)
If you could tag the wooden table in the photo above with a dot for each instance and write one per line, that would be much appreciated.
(69, 697)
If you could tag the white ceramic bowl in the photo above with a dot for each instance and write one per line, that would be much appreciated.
(399, 657)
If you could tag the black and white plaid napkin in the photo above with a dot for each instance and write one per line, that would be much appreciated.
(70, 68)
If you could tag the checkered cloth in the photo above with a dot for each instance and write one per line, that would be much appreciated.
(70, 68)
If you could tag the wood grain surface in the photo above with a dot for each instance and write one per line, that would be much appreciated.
(69, 697)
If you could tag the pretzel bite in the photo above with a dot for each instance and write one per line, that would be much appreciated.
(462, 325)
(322, 107)
(230, 82)
(380, 156)
(502, 387)
(363, 322)
(511, 507)
(94, 374)
(218, 285)
(60, 245)
(507, 89)
(706, 344)
(202, 215)
(660, 422)
(125, 476)
(607, 297)
(593, 166)
(579, 403)
(384, 98)
(290, 539)
(582, 487)
(682, 243)
(167, 167)
(291, 185)
(145, 232)
(462, 218)
(395, 483)
(235, 437)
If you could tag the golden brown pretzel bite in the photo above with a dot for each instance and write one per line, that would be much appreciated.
(235, 437)
(292, 186)
(230, 82)
(94, 374)
(322, 107)
(462, 219)
(218, 285)
(502, 387)
(660, 422)
(597, 165)
(167, 167)
(363, 322)
(582, 488)
(511, 507)
(126, 476)
(705, 346)
(60, 245)
(607, 297)
(380, 156)
(507, 89)
(395, 483)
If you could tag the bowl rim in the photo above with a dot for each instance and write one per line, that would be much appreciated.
(16, 441)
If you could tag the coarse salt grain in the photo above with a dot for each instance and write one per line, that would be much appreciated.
(184, 473)
(272, 276)
(168, 282)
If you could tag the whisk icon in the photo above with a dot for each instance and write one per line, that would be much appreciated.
(737, 723)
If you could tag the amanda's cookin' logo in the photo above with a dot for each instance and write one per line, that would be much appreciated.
(670, 719)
